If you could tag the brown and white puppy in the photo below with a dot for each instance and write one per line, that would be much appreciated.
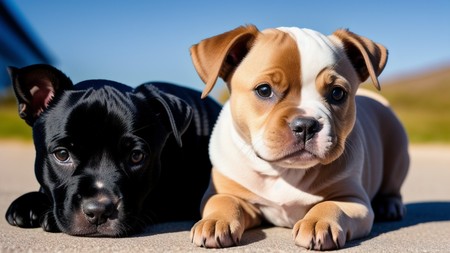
(294, 145)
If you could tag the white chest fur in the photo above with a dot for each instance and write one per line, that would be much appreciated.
(281, 200)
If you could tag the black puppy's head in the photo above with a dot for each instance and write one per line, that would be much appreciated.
(98, 146)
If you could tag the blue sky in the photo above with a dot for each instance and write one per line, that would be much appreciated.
(137, 41)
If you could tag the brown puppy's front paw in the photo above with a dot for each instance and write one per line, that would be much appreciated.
(318, 234)
(216, 233)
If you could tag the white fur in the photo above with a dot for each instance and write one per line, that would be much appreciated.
(99, 184)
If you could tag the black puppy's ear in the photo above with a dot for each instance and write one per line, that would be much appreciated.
(177, 114)
(35, 86)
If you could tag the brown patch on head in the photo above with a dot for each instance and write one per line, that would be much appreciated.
(273, 60)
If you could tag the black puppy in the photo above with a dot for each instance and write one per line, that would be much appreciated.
(111, 159)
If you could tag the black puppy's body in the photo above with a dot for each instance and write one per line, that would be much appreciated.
(111, 159)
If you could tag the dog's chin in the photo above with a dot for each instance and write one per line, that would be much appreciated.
(103, 230)
(298, 159)
(294, 155)
(79, 226)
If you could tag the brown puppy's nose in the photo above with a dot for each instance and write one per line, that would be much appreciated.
(97, 211)
(304, 128)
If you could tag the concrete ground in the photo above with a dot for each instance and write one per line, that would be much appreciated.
(426, 227)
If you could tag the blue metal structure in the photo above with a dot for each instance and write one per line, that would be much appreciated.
(18, 46)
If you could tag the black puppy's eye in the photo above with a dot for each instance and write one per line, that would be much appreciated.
(62, 155)
(337, 95)
(264, 90)
(136, 157)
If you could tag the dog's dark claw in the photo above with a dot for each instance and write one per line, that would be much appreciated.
(237, 241)
(311, 245)
(218, 242)
(337, 244)
(204, 242)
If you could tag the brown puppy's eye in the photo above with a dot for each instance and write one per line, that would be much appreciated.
(62, 155)
(337, 95)
(136, 157)
(264, 90)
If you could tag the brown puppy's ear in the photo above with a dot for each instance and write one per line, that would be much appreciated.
(35, 86)
(367, 57)
(219, 56)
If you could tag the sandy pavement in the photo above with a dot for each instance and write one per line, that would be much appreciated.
(426, 227)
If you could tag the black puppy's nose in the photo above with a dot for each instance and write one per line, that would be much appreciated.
(97, 211)
(304, 128)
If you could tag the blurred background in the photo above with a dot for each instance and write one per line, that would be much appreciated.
(138, 41)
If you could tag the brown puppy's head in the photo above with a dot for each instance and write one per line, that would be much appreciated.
(292, 90)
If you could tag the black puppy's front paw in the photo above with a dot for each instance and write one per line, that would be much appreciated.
(48, 223)
(28, 210)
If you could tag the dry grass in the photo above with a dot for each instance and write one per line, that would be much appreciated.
(11, 126)
(422, 103)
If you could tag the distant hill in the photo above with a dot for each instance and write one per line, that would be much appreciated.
(422, 101)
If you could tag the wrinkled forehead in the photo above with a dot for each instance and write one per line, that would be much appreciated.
(316, 51)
